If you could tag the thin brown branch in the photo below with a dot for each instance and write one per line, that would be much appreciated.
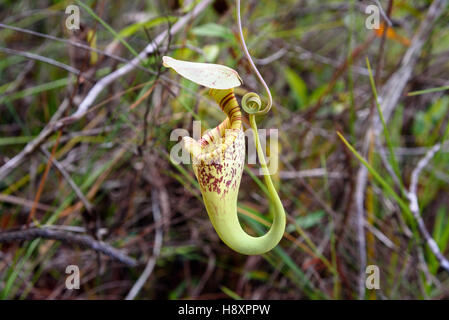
(49, 129)
(24, 202)
(69, 238)
(156, 250)
(72, 43)
(43, 179)
(69, 179)
(37, 57)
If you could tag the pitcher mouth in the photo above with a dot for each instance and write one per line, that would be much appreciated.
(212, 146)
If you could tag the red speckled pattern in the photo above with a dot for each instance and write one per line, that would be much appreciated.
(224, 172)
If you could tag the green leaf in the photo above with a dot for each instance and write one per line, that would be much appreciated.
(298, 87)
(152, 22)
(15, 140)
(441, 236)
(230, 293)
(211, 52)
(441, 229)
(177, 292)
(427, 123)
(308, 221)
(213, 30)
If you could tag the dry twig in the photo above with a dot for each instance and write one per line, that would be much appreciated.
(156, 250)
(414, 206)
(70, 238)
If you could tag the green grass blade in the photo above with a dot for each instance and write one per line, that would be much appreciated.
(392, 157)
(107, 27)
(431, 90)
(377, 177)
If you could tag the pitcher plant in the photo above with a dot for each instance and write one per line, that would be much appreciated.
(218, 156)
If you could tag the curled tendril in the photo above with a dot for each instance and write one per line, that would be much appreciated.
(252, 98)
(251, 103)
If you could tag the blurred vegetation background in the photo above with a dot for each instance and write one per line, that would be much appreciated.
(108, 176)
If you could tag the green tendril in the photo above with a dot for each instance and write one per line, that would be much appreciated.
(252, 98)
(251, 103)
